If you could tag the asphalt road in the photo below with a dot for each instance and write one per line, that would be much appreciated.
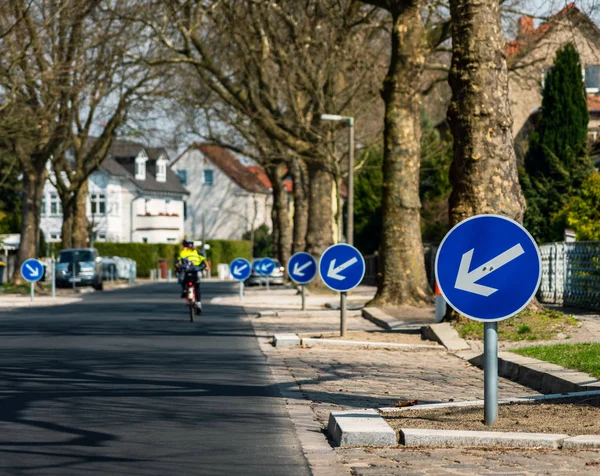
(123, 383)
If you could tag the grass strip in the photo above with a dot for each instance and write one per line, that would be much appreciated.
(582, 357)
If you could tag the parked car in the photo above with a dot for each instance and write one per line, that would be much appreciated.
(277, 276)
(87, 264)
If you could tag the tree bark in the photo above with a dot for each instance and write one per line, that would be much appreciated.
(80, 224)
(300, 181)
(484, 167)
(34, 178)
(401, 277)
(281, 221)
(319, 235)
(67, 224)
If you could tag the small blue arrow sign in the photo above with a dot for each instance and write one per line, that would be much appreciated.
(240, 269)
(342, 267)
(32, 270)
(266, 266)
(488, 267)
(302, 267)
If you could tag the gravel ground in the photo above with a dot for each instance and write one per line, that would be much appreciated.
(567, 418)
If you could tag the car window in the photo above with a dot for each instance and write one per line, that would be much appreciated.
(68, 256)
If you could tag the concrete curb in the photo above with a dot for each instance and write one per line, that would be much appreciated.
(360, 428)
(286, 340)
(421, 437)
(479, 403)
(307, 314)
(326, 343)
(539, 375)
(582, 442)
(387, 322)
(446, 335)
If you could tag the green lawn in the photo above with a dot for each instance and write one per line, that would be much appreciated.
(582, 357)
(527, 325)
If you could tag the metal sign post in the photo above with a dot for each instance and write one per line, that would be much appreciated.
(488, 268)
(302, 269)
(265, 267)
(32, 271)
(342, 268)
(240, 270)
(53, 277)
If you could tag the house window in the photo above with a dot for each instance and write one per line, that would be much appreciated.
(185, 210)
(182, 176)
(209, 177)
(98, 201)
(171, 240)
(592, 78)
(101, 236)
(43, 209)
(55, 236)
(140, 168)
(144, 239)
(55, 205)
(161, 171)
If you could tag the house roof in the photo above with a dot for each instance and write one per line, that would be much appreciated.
(264, 178)
(232, 167)
(529, 36)
(121, 162)
(593, 103)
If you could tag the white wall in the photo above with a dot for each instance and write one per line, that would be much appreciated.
(228, 209)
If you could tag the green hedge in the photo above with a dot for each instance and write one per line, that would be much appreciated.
(146, 255)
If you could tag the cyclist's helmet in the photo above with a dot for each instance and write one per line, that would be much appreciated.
(187, 243)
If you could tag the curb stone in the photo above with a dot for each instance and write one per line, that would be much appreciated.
(582, 442)
(307, 314)
(421, 437)
(360, 428)
(286, 340)
(315, 342)
(446, 335)
(387, 322)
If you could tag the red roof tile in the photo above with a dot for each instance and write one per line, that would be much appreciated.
(593, 103)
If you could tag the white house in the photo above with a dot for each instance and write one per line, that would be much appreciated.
(133, 197)
(226, 198)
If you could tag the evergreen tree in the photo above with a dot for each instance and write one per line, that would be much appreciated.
(557, 163)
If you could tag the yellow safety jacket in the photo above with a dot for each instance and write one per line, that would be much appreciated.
(192, 256)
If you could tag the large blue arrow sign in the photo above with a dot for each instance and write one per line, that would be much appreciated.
(32, 270)
(266, 266)
(342, 267)
(240, 269)
(302, 267)
(488, 267)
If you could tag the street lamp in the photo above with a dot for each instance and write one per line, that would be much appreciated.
(350, 220)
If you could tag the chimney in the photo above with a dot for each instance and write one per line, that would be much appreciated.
(525, 27)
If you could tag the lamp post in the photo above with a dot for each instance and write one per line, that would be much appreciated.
(350, 218)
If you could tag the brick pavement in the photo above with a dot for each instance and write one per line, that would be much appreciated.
(336, 379)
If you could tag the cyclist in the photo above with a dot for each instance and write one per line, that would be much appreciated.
(190, 254)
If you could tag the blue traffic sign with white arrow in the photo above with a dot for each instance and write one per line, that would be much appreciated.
(32, 270)
(240, 269)
(266, 266)
(488, 267)
(302, 267)
(342, 267)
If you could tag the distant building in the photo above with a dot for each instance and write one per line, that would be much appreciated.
(226, 198)
(133, 197)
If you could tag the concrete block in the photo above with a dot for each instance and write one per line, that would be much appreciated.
(446, 335)
(450, 438)
(286, 340)
(360, 428)
(326, 343)
(582, 442)
(267, 313)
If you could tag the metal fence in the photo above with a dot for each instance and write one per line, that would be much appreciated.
(571, 274)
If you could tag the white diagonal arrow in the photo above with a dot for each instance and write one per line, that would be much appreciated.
(238, 269)
(265, 268)
(467, 281)
(34, 271)
(298, 269)
(333, 271)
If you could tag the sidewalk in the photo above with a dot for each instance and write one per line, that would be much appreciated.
(346, 379)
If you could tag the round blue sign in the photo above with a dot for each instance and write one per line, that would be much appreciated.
(32, 270)
(265, 266)
(488, 267)
(302, 267)
(342, 267)
(240, 269)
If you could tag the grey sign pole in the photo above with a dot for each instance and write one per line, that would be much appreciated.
(303, 297)
(343, 326)
(490, 372)
(241, 290)
(32, 291)
(53, 268)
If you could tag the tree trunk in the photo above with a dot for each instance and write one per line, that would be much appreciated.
(281, 220)
(67, 224)
(34, 178)
(402, 278)
(300, 178)
(484, 167)
(80, 224)
(319, 234)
